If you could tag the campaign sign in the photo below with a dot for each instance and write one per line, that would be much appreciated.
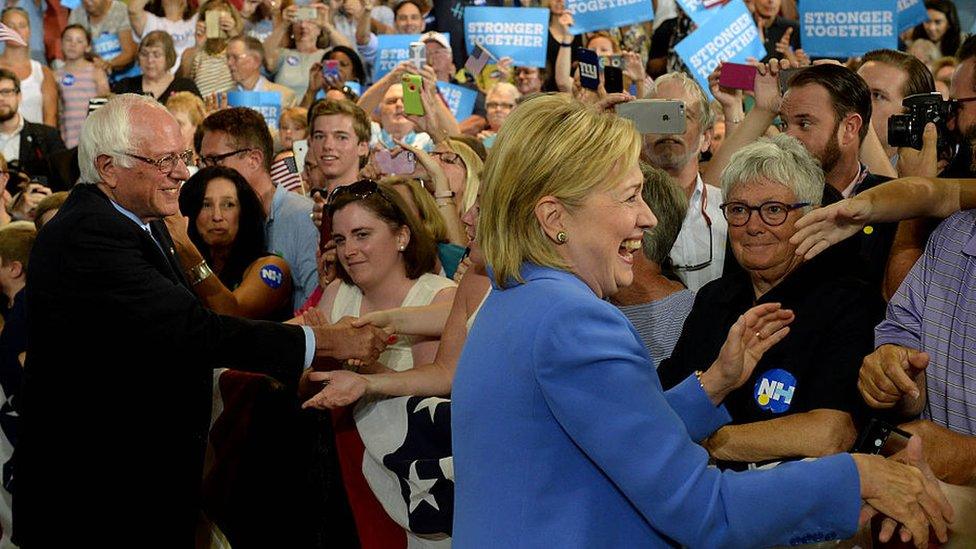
(697, 10)
(911, 13)
(392, 50)
(266, 103)
(519, 33)
(458, 98)
(729, 35)
(829, 29)
(107, 46)
(594, 15)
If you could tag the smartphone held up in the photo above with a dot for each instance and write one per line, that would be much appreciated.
(657, 116)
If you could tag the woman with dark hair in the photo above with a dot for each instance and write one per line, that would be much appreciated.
(385, 261)
(351, 67)
(222, 247)
(942, 28)
(156, 57)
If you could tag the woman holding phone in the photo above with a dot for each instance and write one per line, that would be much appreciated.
(307, 32)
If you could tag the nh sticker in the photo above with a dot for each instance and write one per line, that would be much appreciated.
(774, 390)
(272, 276)
(68, 79)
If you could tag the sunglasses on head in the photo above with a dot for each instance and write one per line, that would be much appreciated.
(360, 190)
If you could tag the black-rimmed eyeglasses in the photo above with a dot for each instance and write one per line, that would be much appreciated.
(167, 163)
(216, 159)
(772, 213)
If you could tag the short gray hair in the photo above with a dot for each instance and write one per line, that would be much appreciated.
(109, 131)
(669, 205)
(706, 119)
(781, 159)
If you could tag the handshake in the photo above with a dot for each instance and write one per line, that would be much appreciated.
(344, 341)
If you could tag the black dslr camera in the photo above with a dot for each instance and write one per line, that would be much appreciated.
(905, 130)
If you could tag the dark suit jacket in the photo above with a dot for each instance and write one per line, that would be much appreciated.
(117, 392)
(37, 143)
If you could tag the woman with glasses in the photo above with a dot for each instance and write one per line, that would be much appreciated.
(156, 57)
(801, 400)
(221, 244)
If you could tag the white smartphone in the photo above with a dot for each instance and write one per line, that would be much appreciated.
(661, 116)
(300, 148)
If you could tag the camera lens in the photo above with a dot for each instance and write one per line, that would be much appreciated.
(900, 130)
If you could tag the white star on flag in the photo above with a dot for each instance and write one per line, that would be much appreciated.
(420, 489)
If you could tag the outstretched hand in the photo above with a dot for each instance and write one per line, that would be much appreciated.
(824, 227)
(341, 388)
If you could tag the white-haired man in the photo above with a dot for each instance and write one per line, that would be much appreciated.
(117, 392)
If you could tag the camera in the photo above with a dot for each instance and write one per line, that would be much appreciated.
(905, 130)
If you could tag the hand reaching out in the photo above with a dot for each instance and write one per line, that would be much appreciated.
(824, 227)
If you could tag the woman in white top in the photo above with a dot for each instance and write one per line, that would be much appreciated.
(176, 17)
(38, 89)
(385, 261)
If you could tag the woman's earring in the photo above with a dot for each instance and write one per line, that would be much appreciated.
(561, 237)
(402, 247)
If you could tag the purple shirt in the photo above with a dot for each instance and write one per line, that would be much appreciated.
(934, 310)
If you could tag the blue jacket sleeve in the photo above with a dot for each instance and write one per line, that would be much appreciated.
(598, 383)
(695, 409)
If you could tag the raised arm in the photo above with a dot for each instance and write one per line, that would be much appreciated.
(49, 90)
(137, 16)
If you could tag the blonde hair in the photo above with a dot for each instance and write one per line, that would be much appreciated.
(16, 241)
(430, 217)
(473, 167)
(551, 145)
(189, 104)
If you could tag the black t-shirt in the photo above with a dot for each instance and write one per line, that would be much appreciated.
(872, 245)
(133, 84)
(815, 366)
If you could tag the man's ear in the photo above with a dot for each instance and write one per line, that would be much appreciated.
(551, 214)
(16, 268)
(850, 130)
(107, 170)
(706, 140)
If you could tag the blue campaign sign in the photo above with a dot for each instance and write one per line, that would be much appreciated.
(393, 49)
(829, 29)
(729, 35)
(519, 33)
(266, 103)
(911, 13)
(458, 98)
(594, 15)
(696, 10)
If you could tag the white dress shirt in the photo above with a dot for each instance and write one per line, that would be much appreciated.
(10, 142)
(691, 247)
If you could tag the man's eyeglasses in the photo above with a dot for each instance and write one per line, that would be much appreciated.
(167, 163)
(499, 105)
(216, 159)
(9, 92)
(772, 213)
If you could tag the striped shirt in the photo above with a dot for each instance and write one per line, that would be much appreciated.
(210, 73)
(659, 323)
(934, 310)
(77, 88)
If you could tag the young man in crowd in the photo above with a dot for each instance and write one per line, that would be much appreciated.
(28, 143)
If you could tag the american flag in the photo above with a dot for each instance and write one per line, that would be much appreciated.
(285, 172)
(479, 58)
(8, 34)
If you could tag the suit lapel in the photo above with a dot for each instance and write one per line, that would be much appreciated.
(159, 231)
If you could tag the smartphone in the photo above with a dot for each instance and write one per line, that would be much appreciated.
(412, 86)
(330, 68)
(616, 60)
(613, 79)
(306, 13)
(659, 116)
(402, 164)
(737, 76)
(784, 78)
(300, 149)
(418, 54)
(589, 66)
(213, 24)
(881, 438)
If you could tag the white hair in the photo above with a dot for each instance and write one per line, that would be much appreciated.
(780, 159)
(109, 131)
(505, 87)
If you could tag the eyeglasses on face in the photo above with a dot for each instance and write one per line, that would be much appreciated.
(216, 159)
(772, 213)
(9, 92)
(167, 163)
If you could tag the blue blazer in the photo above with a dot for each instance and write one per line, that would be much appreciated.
(563, 437)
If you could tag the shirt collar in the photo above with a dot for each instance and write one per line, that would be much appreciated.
(851, 189)
(276, 199)
(532, 271)
(258, 86)
(135, 219)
